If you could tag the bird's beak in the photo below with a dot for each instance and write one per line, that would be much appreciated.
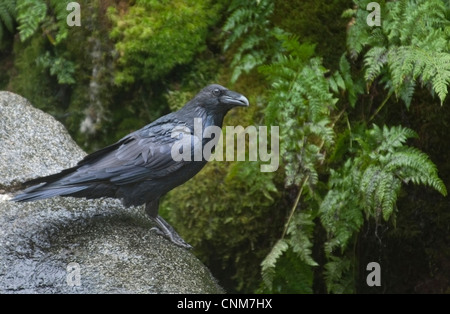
(234, 99)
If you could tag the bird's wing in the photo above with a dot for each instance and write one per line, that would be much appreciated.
(143, 155)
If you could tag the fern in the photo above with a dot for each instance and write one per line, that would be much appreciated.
(412, 165)
(268, 264)
(63, 69)
(368, 185)
(60, 19)
(338, 276)
(299, 232)
(30, 13)
(301, 101)
(339, 211)
(433, 67)
(7, 16)
(249, 25)
(50, 15)
(365, 167)
(412, 44)
(374, 60)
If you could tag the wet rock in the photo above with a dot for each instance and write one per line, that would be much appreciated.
(69, 245)
(32, 143)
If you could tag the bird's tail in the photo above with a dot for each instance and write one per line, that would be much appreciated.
(73, 181)
(45, 190)
(49, 186)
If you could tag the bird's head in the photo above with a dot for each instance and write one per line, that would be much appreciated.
(218, 99)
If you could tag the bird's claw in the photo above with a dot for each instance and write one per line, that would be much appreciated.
(166, 230)
(157, 230)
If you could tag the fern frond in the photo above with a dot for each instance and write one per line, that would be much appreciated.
(300, 230)
(374, 60)
(358, 35)
(369, 183)
(7, 16)
(338, 278)
(412, 165)
(351, 87)
(406, 91)
(60, 12)
(393, 137)
(385, 195)
(389, 199)
(412, 42)
(414, 62)
(336, 82)
(268, 264)
(30, 13)
(249, 25)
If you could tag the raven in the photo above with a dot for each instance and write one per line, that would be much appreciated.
(140, 168)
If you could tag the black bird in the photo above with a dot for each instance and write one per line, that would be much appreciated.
(139, 168)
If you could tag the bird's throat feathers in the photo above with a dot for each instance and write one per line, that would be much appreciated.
(199, 113)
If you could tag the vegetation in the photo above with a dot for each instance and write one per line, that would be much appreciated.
(362, 112)
(151, 45)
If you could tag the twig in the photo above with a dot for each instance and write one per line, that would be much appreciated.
(381, 106)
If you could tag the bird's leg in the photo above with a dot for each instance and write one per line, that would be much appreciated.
(168, 232)
(163, 228)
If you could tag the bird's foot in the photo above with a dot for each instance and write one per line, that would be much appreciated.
(169, 233)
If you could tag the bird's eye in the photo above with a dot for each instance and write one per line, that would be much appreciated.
(216, 92)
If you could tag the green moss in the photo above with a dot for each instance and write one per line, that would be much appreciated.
(155, 36)
(30, 80)
(318, 22)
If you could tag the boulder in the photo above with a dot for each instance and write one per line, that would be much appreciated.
(71, 245)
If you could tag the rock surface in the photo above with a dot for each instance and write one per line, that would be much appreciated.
(69, 245)
(32, 143)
